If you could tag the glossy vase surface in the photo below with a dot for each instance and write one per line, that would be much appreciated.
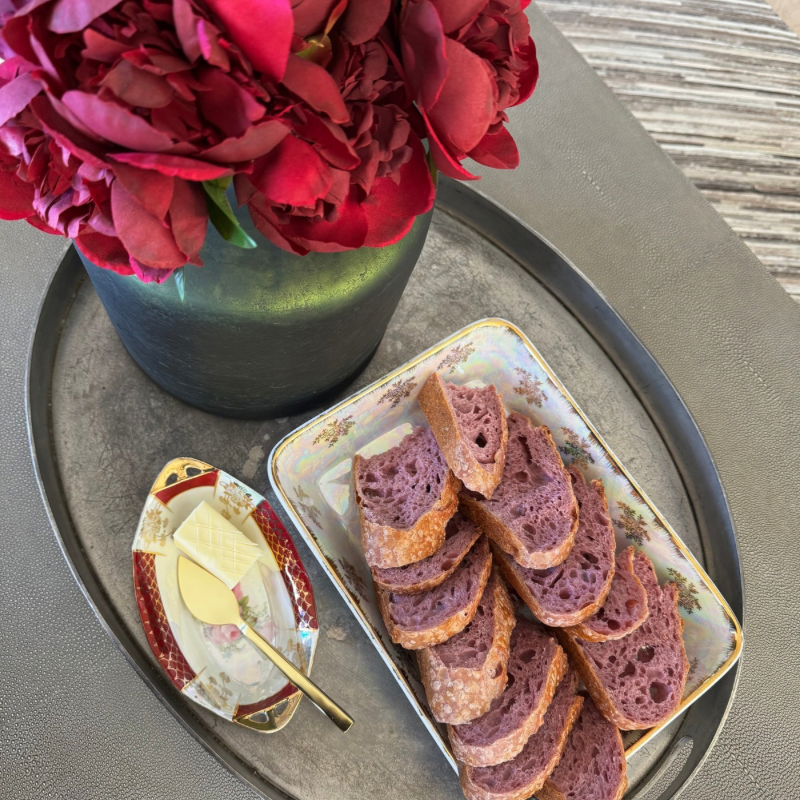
(261, 333)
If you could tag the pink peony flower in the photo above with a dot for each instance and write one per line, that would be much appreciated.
(122, 122)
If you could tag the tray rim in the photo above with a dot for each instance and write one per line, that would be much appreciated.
(310, 539)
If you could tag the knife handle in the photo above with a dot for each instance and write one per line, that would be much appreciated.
(324, 703)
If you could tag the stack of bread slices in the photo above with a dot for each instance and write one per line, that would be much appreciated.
(454, 515)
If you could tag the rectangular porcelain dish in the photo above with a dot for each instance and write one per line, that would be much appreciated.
(310, 471)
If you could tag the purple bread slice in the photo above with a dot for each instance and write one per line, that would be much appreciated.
(460, 534)
(430, 618)
(637, 681)
(464, 674)
(592, 766)
(578, 586)
(405, 498)
(624, 610)
(470, 427)
(533, 513)
(535, 668)
(520, 777)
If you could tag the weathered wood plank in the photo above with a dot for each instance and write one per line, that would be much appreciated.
(717, 84)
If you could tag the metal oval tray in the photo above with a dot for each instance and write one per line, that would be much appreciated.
(100, 431)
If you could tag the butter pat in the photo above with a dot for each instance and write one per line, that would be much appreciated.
(221, 548)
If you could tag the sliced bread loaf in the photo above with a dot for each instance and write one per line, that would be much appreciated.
(460, 534)
(535, 668)
(637, 681)
(592, 766)
(533, 513)
(405, 497)
(464, 674)
(624, 610)
(430, 618)
(470, 427)
(520, 777)
(572, 591)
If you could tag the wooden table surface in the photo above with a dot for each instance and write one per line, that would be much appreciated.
(717, 84)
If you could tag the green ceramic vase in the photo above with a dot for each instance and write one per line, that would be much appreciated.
(261, 333)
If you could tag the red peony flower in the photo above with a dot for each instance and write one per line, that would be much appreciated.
(359, 180)
(121, 123)
(467, 61)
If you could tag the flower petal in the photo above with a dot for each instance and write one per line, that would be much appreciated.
(261, 28)
(424, 54)
(331, 142)
(414, 192)
(530, 75)
(498, 150)
(16, 95)
(115, 123)
(256, 142)
(446, 163)
(188, 216)
(310, 16)
(71, 16)
(149, 274)
(66, 135)
(226, 104)
(363, 19)
(312, 83)
(465, 108)
(292, 174)
(101, 48)
(175, 166)
(104, 251)
(136, 87)
(456, 14)
(16, 196)
(152, 189)
(144, 236)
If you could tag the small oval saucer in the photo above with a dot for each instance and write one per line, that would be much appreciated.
(214, 665)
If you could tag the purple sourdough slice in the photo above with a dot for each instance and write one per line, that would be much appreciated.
(460, 534)
(533, 513)
(464, 674)
(470, 426)
(625, 608)
(592, 766)
(430, 618)
(637, 681)
(525, 774)
(405, 497)
(535, 668)
(578, 586)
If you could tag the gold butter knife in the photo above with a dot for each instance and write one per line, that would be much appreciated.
(212, 602)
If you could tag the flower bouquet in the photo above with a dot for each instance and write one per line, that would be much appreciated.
(123, 124)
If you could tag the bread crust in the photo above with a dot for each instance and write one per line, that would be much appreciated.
(553, 618)
(385, 546)
(473, 792)
(602, 699)
(511, 745)
(581, 631)
(460, 694)
(550, 792)
(428, 637)
(440, 415)
(424, 586)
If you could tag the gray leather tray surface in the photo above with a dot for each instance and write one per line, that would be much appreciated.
(76, 722)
